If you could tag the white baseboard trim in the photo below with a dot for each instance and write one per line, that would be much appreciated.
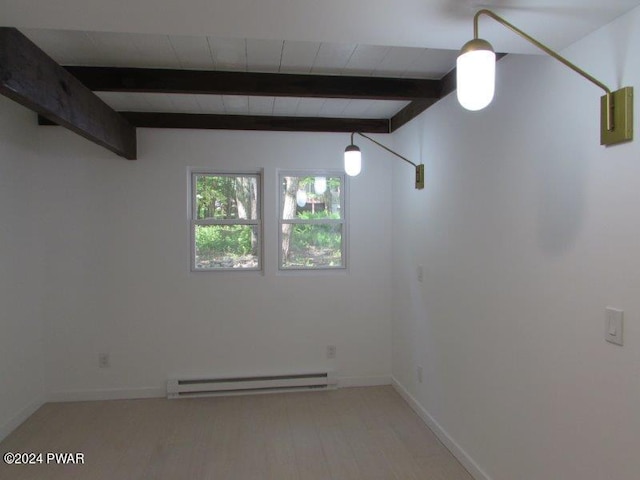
(463, 457)
(112, 394)
(20, 417)
(344, 382)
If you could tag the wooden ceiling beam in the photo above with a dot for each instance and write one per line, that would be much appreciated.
(31, 78)
(251, 122)
(416, 107)
(409, 112)
(112, 79)
(256, 122)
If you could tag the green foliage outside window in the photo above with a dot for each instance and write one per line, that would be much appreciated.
(312, 222)
(226, 215)
(319, 236)
(232, 240)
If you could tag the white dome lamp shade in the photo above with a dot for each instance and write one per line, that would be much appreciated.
(352, 160)
(476, 74)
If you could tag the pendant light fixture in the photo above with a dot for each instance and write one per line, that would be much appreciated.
(353, 160)
(475, 71)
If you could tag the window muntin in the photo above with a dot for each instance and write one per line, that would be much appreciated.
(225, 221)
(312, 221)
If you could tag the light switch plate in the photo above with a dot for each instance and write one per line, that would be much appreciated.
(613, 324)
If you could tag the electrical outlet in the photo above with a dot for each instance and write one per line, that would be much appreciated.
(103, 360)
(419, 374)
(331, 351)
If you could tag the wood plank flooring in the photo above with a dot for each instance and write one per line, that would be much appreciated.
(347, 434)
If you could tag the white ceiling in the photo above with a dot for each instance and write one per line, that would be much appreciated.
(243, 105)
(72, 47)
(212, 53)
(444, 24)
(402, 38)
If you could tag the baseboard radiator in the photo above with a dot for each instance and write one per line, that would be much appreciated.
(207, 387)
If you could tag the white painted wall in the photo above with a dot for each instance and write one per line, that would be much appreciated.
(527, 230)
(22, 272)
(118, 279)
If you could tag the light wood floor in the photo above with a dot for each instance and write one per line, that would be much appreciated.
(353, 433)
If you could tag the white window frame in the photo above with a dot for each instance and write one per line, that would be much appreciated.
(330, 221)
(195, 222)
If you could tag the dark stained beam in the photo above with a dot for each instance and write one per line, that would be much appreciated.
(256, 122)
(31, 78)
(416, 107)
(108, 79)
(409, 112)
(250, 122)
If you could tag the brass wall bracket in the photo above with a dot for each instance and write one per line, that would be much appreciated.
(419, 168)
(622, 117)
(420, 176)
(616, 110)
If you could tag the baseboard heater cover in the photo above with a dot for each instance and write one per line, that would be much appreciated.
(207, 387)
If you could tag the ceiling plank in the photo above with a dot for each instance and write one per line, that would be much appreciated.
(332, 57)
(31, 78)
(397, 59)
(254, 84)
(264, 55)
(251, 122)
(228, 53)
(298, 57)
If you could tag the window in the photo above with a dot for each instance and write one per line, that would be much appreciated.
(225, 222)
(312, 221)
